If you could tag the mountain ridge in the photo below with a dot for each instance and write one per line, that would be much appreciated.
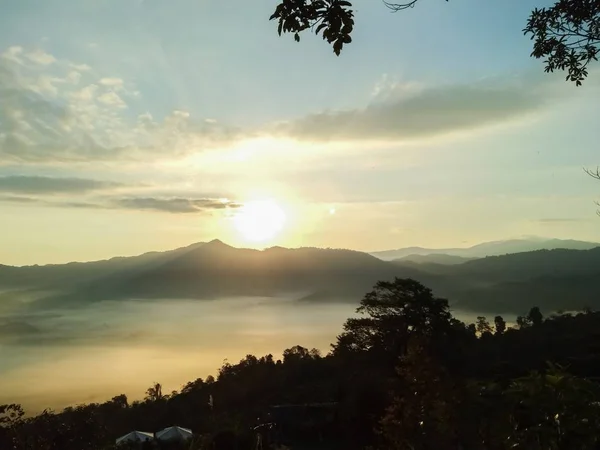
(207, 271)
(491, 248)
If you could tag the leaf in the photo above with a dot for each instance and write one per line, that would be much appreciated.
(337, 47)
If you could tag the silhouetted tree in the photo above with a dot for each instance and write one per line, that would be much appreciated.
(154, 393)
(499, 325)
(394, 312)
(535, 316)
(423, 413)
(523, 322)
(483, 326)
(567, 34)
(553, 410)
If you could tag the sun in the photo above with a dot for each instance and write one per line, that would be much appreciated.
(259, 220)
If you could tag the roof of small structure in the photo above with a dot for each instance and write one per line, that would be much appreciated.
(135, 436)
(174, 433)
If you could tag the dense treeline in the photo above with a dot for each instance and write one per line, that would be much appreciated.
(404, 375)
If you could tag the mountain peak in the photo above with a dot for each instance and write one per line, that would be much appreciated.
(216, 243)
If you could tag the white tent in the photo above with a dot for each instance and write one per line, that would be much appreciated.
(135, 436)
(174, 434)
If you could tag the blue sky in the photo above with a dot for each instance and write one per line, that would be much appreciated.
(127, 126)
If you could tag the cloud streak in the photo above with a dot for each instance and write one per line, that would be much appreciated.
(175, 205)
(424, 112)
(21, 184)
(171, 205)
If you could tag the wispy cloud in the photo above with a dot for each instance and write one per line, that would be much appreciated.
(423, 111)
(175, 205)
(171, 205)
(72, 116)
(48, 185)
(39, 56)
(559, 220)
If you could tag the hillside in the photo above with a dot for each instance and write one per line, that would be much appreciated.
(551, 279)
(209, 271)
(494, 248)
(433, 258)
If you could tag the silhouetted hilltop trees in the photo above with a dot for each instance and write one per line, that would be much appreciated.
(405, 374)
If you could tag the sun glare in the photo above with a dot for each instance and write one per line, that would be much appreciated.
(259, 220)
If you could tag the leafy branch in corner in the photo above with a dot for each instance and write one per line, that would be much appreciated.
(567, 35)
(333, 18)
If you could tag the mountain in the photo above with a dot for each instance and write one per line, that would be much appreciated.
(493, 248)
(433, 258)
(551, 279)
(556, 279)
(207, 271)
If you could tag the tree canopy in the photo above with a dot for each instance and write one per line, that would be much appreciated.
(566, 35)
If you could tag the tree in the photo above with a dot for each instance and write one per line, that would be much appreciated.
(423, 412)
(523, 322)
(535, 316)
(483, 326)
(499, 324)
(394, 311)
(154, 393)
(120, 401)
(10, 414)
(554, 410)
(566, 34)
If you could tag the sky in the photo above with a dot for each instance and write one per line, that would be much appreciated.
(135, 125)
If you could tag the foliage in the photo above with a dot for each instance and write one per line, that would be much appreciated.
(394, 312)
(499, 325)
(333, 18)
(567, 34)
(554, 410)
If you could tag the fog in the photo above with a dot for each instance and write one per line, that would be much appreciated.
(65, 356)
(70, 356)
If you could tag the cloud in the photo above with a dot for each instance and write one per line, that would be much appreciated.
(558, 220)
(112, 82)
(17, 328)
(424, 111)
(65, 116)
(18, 199)
(80, 67)
(40, 57)
(175, 205)
(71, 115)
(13, 54)
(112, 99)
(21, 184)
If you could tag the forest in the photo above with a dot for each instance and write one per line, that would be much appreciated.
(403, 375)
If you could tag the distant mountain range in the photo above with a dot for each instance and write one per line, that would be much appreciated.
(494, 248)
(552, 279)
